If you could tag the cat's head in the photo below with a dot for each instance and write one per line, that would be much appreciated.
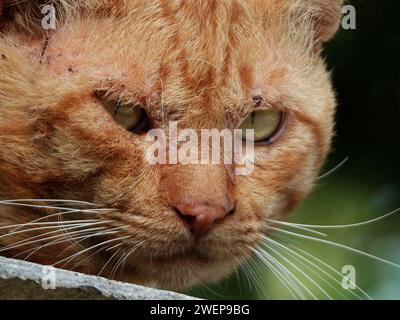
(67, 100)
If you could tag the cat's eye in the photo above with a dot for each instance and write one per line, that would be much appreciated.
(130, 117)
(265, 123)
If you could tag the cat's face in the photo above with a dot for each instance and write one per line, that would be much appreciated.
(205, 64)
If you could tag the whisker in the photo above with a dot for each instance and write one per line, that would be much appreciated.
(334, 244)
(70, 258)
(341, 164)
(109, 260)
(244, 268)
(286, 274)
(343, 226)
(35, 229)
(255, 276)
(250, 270)
(329, 267)
(34, 205)
(275, 272)
(279, 254)
(91, 211)
(297, 227)
(77, 242)
(301, 260)
(19, 226)
(60, 219)
(238, 280)
(124, 258)
(51, 200)
(29, 240)
(94, 253)
(43, 239)
(247, 270)
(85, 234)
(113, 247)
(219, 295)
(120, 260)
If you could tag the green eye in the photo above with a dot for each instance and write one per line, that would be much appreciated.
(265, 123)
(130, 117)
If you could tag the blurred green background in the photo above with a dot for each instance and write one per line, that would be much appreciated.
(366, 71)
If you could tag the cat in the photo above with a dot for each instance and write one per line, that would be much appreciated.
(76, 103)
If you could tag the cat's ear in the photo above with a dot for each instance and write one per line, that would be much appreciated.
(321, 17)
(326, 16)
(23, 16)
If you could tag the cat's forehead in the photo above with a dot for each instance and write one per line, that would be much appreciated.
(183, 53)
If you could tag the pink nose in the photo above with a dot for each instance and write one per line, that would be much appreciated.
(200, 218)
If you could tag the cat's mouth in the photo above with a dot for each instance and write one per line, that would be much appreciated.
(191, 253)
(176, 271)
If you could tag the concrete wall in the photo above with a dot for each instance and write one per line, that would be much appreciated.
(25, 280)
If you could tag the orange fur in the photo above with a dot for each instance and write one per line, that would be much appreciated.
(198, 61)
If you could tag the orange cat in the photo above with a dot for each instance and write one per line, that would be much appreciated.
(76, 103)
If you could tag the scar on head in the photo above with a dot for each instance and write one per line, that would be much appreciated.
(44, 49)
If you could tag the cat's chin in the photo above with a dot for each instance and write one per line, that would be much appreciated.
(178, 272)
